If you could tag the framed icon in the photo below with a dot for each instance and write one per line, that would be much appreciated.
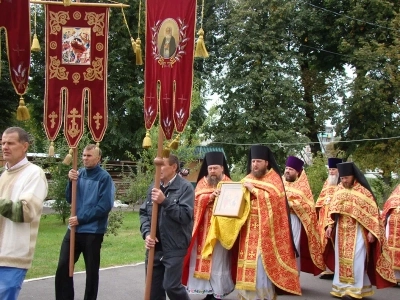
(230, 202)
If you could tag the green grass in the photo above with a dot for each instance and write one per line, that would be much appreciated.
(125, 248)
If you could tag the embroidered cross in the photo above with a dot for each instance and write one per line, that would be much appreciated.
(151, 97)
(182, 98)
(73, 129)
(18, 50)
(97, 119)
(166, 98)
(53, 116)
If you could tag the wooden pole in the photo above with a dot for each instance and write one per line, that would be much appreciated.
(80, 3)
(73, 213)
(158, 162)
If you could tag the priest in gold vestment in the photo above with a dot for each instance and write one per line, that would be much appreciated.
(391, 217)
(212, 275)
(322, 206)
(267, 256)
(361, 251)
(303, 217)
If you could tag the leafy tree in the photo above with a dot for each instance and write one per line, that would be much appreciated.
(256, 81)
(372, 109)
(317, 173)
(57, 186)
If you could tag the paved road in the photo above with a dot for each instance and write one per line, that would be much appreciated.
(127, 283)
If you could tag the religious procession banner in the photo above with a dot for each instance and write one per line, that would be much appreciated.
(15, 21)
(76, 69)
(170, 33)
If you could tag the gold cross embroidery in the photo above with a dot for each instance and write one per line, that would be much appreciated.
(52, 116)
(97, 119)
(73, 130)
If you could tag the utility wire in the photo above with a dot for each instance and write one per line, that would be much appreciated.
(305, 143)
(351, 18)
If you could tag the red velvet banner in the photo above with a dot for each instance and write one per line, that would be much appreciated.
(76, 69)
(15, 19)
(170, 31)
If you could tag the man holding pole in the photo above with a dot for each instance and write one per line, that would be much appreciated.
(94, 201)
(174, 199)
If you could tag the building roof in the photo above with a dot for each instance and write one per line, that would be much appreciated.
(200, 151)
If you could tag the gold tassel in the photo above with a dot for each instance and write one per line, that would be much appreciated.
(51, 149)
(22, 111)
(35, 44)
(201, 50)
(68, 158)
(166, 151)
(138, 52)
(67, 2)
(97, 149)
(175, 143)
(147, 141)
(127, 27)
(133, 44)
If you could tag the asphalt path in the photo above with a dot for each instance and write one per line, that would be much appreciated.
(128, 283)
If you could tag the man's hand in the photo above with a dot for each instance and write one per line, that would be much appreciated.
(73, 174)
(248, 186)
(149, 242)
(215, 194)
(328, 232)
(73, 221)
(370, 237)
(157, 196)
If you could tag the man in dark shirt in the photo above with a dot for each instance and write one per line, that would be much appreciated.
(175, 199)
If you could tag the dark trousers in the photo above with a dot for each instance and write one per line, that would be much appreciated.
(167, 278)
(89, 245)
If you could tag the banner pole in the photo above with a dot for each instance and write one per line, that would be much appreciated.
(73, 213)
(158, 162)
(80, 3)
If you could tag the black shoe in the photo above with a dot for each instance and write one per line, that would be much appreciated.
(327, 276)
(209, 297)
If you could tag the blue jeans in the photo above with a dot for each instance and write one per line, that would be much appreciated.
(11, 280)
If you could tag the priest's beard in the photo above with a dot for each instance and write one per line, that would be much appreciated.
(333, 179)
(348, 185)
(260, 172)
(290, 178)
(213, 180)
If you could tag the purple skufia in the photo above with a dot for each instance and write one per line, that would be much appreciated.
(295, 163)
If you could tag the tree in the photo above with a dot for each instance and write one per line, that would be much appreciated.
(371, 111)
(256, 80)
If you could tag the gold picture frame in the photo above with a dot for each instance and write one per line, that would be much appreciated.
(230, 202)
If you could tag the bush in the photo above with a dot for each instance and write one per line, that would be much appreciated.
(115, 221)
(317, 173)
(57, 187)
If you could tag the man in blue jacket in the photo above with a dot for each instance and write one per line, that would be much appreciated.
(94, 201)
(175, 198)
